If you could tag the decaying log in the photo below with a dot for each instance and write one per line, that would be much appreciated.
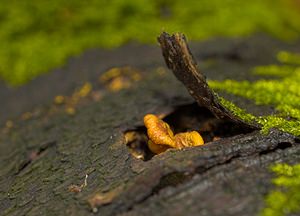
(80, 165)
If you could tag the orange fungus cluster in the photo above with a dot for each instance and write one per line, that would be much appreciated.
(161, 137)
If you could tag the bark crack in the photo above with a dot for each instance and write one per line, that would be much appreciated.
(177, 178)
(34, 154)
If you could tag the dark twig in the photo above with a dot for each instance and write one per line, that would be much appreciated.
(180, 60)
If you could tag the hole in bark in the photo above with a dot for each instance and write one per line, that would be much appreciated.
(297, 140)
(284, 145)
(186, 118)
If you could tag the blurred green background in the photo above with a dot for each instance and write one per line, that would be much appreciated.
(37, 36)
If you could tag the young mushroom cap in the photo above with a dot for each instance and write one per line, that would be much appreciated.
(159, 132)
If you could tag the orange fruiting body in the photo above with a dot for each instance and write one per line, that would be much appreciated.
(161, 137)
(157, 149)
(159, 132)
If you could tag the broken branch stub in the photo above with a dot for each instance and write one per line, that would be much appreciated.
(180, 60)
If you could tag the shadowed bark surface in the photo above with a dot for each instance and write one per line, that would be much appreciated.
(42, 157)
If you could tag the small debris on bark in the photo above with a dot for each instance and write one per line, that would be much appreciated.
(100, 199)
(78, 188)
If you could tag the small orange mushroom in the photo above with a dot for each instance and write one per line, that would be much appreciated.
(158, 131)
(161, 137)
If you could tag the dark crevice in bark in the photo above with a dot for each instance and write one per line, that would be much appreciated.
(34, 154)
(297, 140)
(172, 180)
(189, 117)
(282, 146)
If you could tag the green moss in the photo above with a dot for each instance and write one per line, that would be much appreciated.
(267, 122)
(242, 114)
(282, 93)
(38, 35)
(289, 126)
(285, 199)
(288, 58)
(275, 70)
